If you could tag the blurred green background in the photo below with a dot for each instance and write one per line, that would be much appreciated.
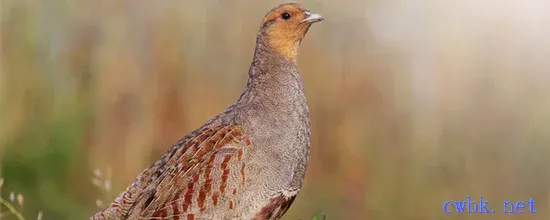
(413, 103)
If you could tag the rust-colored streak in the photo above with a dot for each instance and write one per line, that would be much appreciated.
(174, 205)
(204, 149)
(207, 187)
(200, 200)
(230, 204)
(206, 145)
(215, 198)
(200, 138)
(208, 168)
(175, 209)
(243, 174)
(224, 136)
(225, 173)
(247, 142)
(237, 132)
(227, 139)
(240, 154)
(204, 135)
(225, 161)
(190, 216)
(234, 192)
(187, 198)
(176, 217)
(268, 212)
(202, 196)
(195, 178)
(161, 213)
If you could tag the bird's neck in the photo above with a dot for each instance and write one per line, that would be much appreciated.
(272, 77)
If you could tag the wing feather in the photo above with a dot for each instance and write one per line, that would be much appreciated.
(191, 182)
(171, 187)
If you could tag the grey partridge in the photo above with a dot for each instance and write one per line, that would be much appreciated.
(249, 161)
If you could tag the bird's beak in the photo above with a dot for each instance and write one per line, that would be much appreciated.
(312, 17)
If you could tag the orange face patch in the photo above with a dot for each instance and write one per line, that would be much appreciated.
(295, 10)
(285, 30)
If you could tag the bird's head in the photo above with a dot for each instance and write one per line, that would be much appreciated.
(285, 26)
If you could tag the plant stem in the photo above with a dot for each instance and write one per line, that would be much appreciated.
(12, 209)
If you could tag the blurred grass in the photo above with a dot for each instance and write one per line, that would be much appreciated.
(411, 104)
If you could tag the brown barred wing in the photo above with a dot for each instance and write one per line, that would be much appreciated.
(206, 176)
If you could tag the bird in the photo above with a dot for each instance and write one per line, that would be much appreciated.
(248, 162)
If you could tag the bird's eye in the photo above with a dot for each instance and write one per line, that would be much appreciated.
(285, 16)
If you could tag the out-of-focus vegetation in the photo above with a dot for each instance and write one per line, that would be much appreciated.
(413, 103)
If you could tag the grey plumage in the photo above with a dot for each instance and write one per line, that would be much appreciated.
(249, 162)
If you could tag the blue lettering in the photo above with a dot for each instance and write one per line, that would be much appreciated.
(506, 203)
(470, 203)
(483, 205)
(532, 206)
(520, 205)
(445, 207)
(460, 206)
